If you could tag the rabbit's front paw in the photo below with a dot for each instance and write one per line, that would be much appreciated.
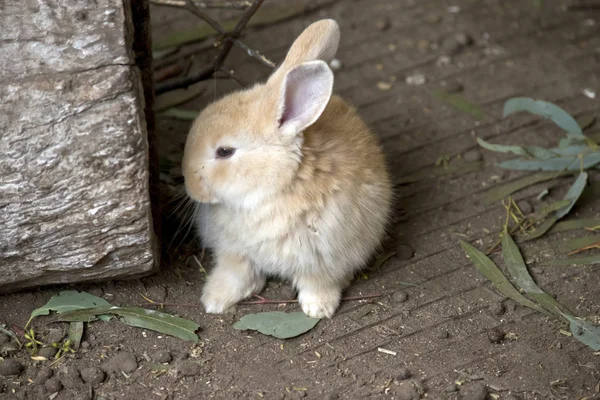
(319, 304)
(222, 292)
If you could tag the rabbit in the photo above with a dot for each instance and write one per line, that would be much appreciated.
(293, 183)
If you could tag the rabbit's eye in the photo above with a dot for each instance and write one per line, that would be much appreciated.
(225, 152)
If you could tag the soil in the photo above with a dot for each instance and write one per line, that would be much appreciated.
(444, 331)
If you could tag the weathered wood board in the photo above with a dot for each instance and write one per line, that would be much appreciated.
(74, 149)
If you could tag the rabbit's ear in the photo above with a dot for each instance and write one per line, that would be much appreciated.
(304, 94)
(319, 41)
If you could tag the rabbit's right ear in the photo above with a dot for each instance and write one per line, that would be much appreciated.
(319, 41)
(303, 95)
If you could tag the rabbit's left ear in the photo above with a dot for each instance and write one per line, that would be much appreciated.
(304, 94)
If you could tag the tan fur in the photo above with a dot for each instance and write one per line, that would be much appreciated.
(310, 207)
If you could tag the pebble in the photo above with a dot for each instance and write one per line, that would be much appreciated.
(473, 155)
(403, 374)
(162, 356)
(331, 396)
(399, 296)
(497, 308)
(384, 86)
(55, 336)
(404, 252)
(495, 336)
(406, 391)
(189, 368)
(335, 64)
(416, 79)
(525, 206)
(4, 338)
(383, 24)
(48, 352)
(69, 377)
(92, 375)
(85, 345)
(475, 391)
(10, 366)
(121, 362)
(43, 375)
(443, 334)
(451, 388)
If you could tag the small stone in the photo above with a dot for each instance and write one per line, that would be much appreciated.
(473, 155)
(416, 79)
(69, 377)
(495, 336)
(162, 356)
(475, 391)
(404, 252)
(497, 308)
(48, 352)
(189, 368)
(43, 375)
(399, 296)
(121, 362)
(331, 396)
(406, 391)
(80, 15)
(443, 334)
(10, 366)
(383, 24)
(55, 335)
(403, 374)
(384, 86)
(525, 207)
(85, 345)
(335, 64)
(92, 375)
(464, 39)
(4, 338)
(451, 388)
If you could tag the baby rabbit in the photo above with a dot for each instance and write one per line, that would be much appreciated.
(295, 184)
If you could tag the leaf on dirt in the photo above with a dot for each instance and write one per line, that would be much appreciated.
(525, 151)
(554, 164)
(518, 270)
(576, 224)
(586, 332)
(277, 323)
(573, 194)
(68, 300)
(75, 333)
(433, 172)
(459, 103)
(543, 194)
(494, 274)
(179, 113)
(539, 230)
(578, 243)
(141, 318)
(589, 260)
(10, 333)
(500, 192)
(544, 109)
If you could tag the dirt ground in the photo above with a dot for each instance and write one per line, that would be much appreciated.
(441, 321)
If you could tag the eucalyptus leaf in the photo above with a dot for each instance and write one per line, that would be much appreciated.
(544, 109)
(277, 323)
(573, 194)
(589, 260)
(578, 243)
(69, 300)
(542, 194)
(494, 274)
(586, 332)
(502, 191)
(460, 103)
(139, 317)
(518, 270)
(576, 224)
(539, 230)
(554, 164)
(500, 148)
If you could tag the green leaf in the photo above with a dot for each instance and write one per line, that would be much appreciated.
(573, 194)
(518, 270)
(586, 332)
(576, 224)
(539, 230)
(460, 103)
(494, 274)
(178, 113)
(577, 243)
(525, 151)
(67, 301)
(10, 333)
(140, 317)
(277, 323)
(590, 260)
(500, 192)
(554, 164)
(75, 333)
(544, 109)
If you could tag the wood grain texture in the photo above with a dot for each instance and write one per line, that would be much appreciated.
(74, 170)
